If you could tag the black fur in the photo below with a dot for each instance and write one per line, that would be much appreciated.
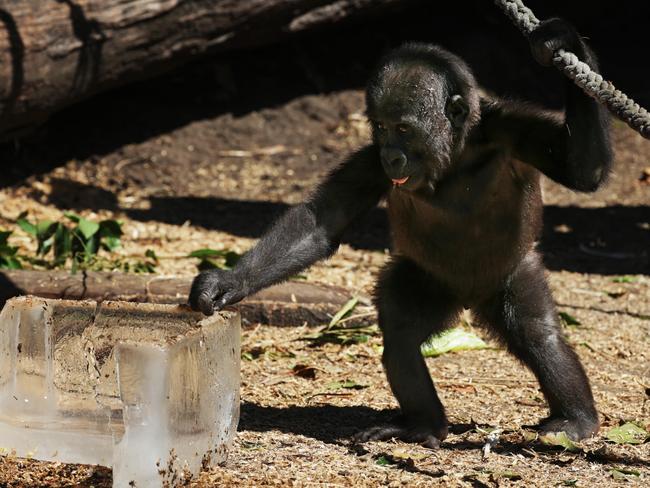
(464, 224)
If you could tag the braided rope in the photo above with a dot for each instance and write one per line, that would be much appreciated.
(592, 83)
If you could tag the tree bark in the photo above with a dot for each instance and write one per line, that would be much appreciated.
(56, 52)
(288, 304)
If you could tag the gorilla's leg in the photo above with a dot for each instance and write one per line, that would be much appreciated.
(523, 315)
(411, 307)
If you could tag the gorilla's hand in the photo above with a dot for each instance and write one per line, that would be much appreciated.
(212, 290)
(551, 35)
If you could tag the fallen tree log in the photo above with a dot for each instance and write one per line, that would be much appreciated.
(292, 303)
(56, 52)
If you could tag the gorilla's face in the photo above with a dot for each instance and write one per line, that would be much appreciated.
(415, 119)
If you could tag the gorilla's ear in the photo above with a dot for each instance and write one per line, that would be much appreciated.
(457, 111)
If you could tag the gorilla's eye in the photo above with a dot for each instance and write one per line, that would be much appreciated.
(403, 128)
(380, 125)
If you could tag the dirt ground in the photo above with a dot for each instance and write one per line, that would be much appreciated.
(218, 180)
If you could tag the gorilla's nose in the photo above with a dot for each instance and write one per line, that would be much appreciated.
(394, 161)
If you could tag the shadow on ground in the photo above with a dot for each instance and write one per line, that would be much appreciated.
(337, 425)
(610, 240)
(327, 423)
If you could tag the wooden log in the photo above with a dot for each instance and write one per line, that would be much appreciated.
(292, 303)
(56, 52)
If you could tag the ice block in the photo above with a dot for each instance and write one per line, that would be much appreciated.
(151, 390)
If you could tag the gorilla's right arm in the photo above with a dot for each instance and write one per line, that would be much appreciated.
(305, 234)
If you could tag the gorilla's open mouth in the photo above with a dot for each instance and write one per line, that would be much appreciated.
(400, 181)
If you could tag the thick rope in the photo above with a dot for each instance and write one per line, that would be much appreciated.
(588, 80)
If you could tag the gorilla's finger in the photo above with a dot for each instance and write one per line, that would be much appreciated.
(206, 303)
(227, 298)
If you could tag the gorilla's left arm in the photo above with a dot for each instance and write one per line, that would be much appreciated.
(574, 151)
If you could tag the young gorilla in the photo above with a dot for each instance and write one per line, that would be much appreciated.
(461, 178)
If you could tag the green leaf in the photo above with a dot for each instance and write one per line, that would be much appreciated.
(344, 312)
(624, 473)
(529, 436)
(110, 243)
(206, 253)
(88, 228)
(559, 439)
(384, 461)
(568, 319)
(572, 482)
(44, 245)
(151, 254)
(45, 228)
(72, 216)
(628, 433)
(625, 279)
(111, 228)
(231, 258)
(62, 245)
(27, 226)
(215, 259)
(8, 259)
(13, 263)
(349, 384)
(456, 339)
(145, 268)
(6, 250)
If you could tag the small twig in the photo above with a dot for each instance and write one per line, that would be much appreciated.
(587, 292)
(528, 404)
(324, 393)
(263, 151)
(357, 316)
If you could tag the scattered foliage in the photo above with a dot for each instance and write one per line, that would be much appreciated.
(385, 461)
(78, 241)
(8, 254)
(568, 320)
(624, 473)
(337, 333)
(344, 312)
(625, 279)
(456, 339)
(344, 336)
(147, 265)
(348, 384)
(215, 259)
(628, 433)
(559, 439)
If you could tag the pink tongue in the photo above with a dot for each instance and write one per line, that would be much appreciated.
(401, 181)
